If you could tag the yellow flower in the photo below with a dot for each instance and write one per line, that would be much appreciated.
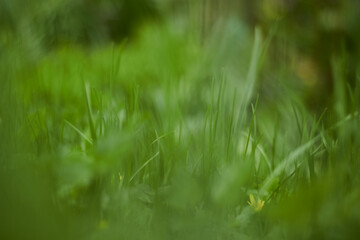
(256, 205)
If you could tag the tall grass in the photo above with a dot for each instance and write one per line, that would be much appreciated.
(167, 137)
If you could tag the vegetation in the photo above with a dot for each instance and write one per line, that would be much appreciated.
(176, 127)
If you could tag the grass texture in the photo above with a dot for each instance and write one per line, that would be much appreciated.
(172, 137)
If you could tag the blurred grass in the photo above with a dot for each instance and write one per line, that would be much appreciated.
(166, 135)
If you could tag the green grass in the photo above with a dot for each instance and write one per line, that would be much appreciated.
(166, 137)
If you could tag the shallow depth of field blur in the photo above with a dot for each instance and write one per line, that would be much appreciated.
(179, 119)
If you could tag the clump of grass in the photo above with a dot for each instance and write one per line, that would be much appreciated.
(157, 145)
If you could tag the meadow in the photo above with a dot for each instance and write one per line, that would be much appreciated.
(173, 135)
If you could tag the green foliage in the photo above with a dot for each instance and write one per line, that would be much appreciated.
(171, 136)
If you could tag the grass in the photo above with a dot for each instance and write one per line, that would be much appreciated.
(167, 137)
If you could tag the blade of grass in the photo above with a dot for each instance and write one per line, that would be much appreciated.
(79, 132)
(254, 66)
(252, 73)
(251, 126)
(90, 116)
(143, 166)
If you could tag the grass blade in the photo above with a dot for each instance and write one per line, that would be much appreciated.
(79, 132)
(90, 116)
(143, 166)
